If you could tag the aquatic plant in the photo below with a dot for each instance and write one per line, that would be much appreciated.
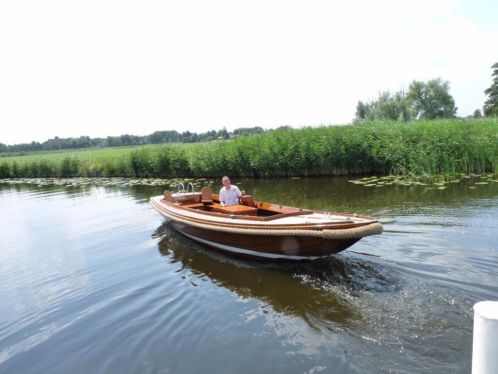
(417, 150)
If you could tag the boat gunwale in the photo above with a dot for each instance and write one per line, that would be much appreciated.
(228, 220)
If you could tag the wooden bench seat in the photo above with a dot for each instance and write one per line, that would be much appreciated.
(240, 210)
(194, 205)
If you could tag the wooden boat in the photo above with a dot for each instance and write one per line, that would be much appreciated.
(260, 230)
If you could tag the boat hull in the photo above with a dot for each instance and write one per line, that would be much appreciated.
(290, 234)
(266, 247)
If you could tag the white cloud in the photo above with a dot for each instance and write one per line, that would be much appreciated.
(109, 67)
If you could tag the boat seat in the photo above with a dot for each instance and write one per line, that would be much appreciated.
(239, 210)
(247, 200)
(168, 196)
(185, 198)
(194, 205)
(206, 195)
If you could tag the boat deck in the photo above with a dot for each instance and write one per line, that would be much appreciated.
(265, 213)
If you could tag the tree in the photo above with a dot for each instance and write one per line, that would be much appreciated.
(363, 111)
(223, 133)
(248, 131)
(477, 113)
(158, 137)
(386, 107)
(431, 100)
(491, 104)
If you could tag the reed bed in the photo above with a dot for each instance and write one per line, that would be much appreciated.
(418, 150)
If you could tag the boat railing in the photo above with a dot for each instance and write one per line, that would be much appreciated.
(181, 188)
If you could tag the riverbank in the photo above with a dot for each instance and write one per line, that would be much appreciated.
(418, 150)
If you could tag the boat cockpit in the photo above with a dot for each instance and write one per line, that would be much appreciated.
(209, 203)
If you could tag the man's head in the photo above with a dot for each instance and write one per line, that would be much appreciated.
(226, 181)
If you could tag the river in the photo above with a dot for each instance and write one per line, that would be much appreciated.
(93, 280)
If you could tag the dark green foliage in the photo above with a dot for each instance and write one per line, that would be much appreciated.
(363, 111)
(165, 161)
(14, 170)
(69, 167)
(115, 168)
(417, 149)
(46, 169)
(137, 165)
(386, 107)
(491, 104)
(4, 170)
(424, 100)
(431, 99)
(158, 137)
(248, 131)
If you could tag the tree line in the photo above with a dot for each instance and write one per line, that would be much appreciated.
(422, 150)
(158, 137)
(423, 100)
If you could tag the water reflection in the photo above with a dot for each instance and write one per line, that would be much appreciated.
(337, 194)
(87, 291)
(334, 194)
(318, 291)
(374, 308)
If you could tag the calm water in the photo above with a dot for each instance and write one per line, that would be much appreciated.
(92, 280)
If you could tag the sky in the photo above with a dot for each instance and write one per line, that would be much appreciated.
(99, 68)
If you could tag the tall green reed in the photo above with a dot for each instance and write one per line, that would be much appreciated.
(419, 149)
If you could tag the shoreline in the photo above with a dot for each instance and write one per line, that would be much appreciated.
(422, 150)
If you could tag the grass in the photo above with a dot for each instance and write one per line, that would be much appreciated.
(418, 150)
(87, 162)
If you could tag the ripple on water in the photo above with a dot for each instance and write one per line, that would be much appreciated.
(93, 284)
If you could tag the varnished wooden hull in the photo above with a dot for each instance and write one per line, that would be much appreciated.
(265, 247)
(293, 235)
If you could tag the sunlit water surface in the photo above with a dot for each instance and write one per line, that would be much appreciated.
(92, 280)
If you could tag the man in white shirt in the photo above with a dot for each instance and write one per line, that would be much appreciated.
(229, 194)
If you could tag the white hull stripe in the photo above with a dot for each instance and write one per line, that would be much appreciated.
(229, 248)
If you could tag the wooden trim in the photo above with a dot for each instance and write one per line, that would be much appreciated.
(168, 196)
(231, 222)
(280, 210)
